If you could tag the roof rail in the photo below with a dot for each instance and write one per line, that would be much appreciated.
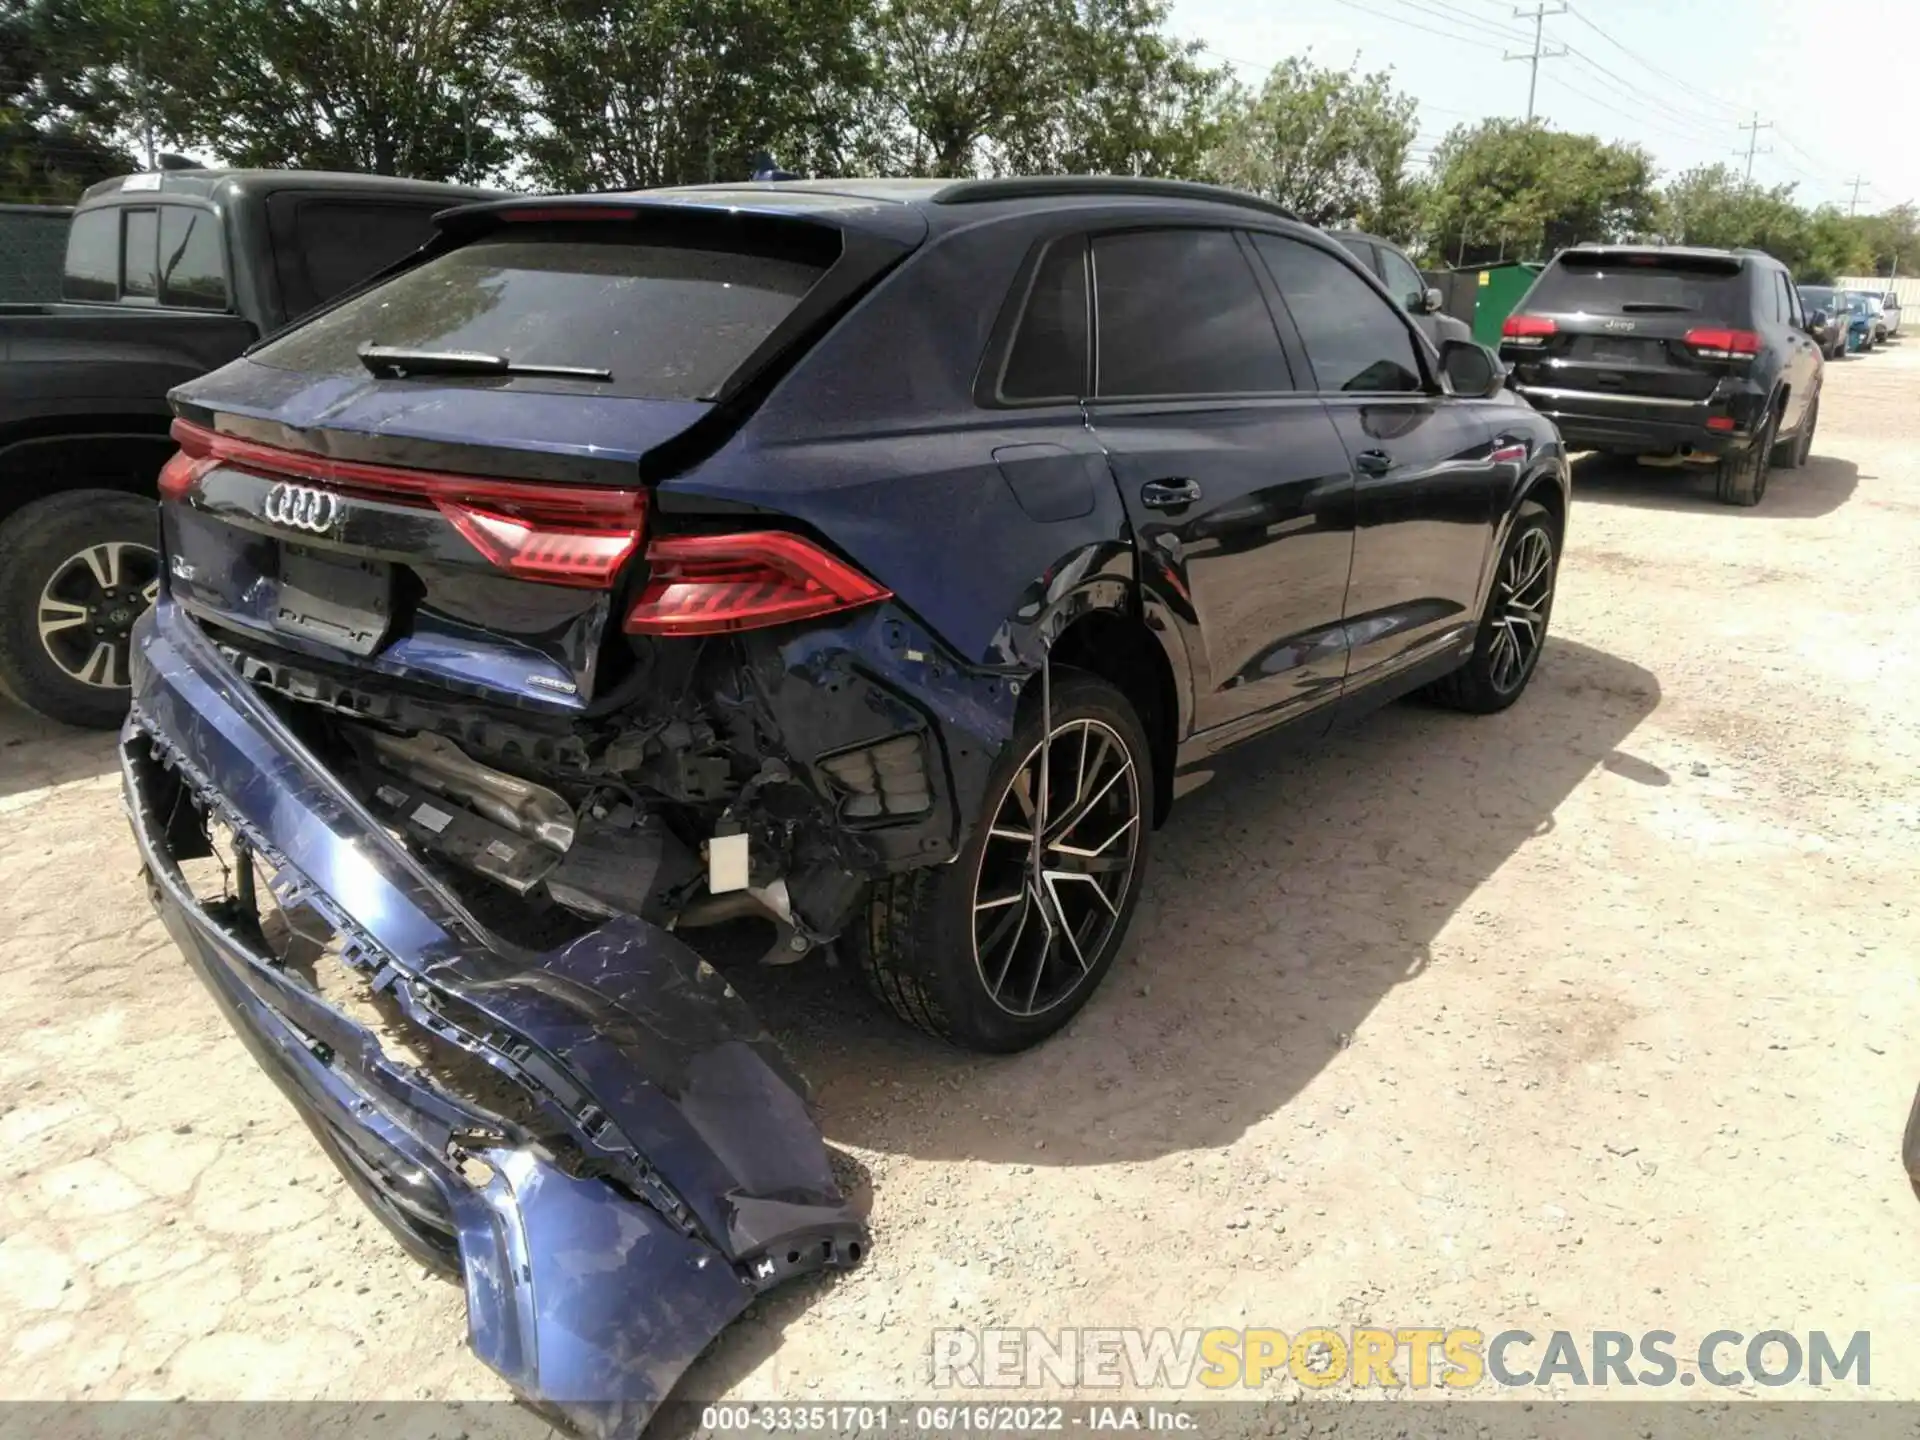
(1036, 187)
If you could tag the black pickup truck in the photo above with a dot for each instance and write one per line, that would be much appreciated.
(168, 275)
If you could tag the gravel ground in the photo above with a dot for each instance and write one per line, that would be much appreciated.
(1598, 1013)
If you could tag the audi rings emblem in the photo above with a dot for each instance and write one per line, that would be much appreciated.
(302, 508)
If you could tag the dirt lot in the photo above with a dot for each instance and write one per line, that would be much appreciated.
(1600, 1013)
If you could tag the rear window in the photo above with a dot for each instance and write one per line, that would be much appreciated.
(1623, 284)
(93, 257)
(670, 321)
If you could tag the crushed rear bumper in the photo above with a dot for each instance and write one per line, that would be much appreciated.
(659, 1168)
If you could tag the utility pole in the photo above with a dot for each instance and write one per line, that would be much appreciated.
(1753, 139)
(1857, 183)
(1533, 57)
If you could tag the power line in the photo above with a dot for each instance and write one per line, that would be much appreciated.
(1441, 10)
(1686, 86)
(1473, 40)
(1538, 15)
(1858, 183)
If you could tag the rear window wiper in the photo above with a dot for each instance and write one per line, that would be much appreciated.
(400, 361)
(1661, 306)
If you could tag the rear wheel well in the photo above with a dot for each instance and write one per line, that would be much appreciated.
(1121, 651)
(36, 466)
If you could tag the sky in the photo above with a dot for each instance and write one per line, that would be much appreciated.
(1838, 81)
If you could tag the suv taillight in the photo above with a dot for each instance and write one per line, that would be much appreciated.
(1528, 329)
(1717, 344)
(716, 584)
(559, 534)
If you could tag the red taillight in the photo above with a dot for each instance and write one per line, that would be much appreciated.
(1717, 344)
(560, 534)
(178, 475)
(559, 555)
(1719, 422)
(1528, 329)
(712, 584)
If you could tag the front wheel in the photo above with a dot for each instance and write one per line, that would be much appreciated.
(999, 949)
(76, 571)
(1513, 628)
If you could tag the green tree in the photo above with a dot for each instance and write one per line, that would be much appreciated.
(1892, 241)
(58, 125)
(391, 87)
(956, 75)
(1512, 189)
(634, 93)
(1118, 96)
(1331, 145)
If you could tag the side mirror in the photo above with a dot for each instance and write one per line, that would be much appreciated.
(1430, 301)
(1471, 369)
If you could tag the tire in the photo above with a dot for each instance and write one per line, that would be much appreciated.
(1741, 478)
(1487, 683)
(1792, 453)
(76, 571)
(922, 949)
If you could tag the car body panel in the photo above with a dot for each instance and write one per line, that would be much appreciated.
(621, 1042)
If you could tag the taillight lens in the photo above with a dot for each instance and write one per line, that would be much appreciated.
(559, 534)
(178, 475)
(533, 550)
(1528, 329)
(1715, 344)
(714, 584)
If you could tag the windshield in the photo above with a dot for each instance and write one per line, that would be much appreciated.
(1816, 297)
(670, 322)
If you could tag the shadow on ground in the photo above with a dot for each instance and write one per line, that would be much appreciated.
(35, 753)
(1284, 901)
(1819, 487)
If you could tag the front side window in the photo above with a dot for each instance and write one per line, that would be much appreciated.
(1048, 360)
(139, 276)
(1180, 313)
(1353, 338)
(92, 270)
(1403, 281)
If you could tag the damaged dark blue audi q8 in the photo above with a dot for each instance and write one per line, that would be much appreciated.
(878, 559)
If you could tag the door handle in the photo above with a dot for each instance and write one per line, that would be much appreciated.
(1168, 494)
(1373, 462)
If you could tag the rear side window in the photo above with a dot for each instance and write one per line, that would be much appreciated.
(1048, 360)
(139, 273)
(1180, 313)
(1625, 284)
(323, 245)
(1361, 250)
(193, 273)
(1355, 340)
(671, 322)
(92, 270)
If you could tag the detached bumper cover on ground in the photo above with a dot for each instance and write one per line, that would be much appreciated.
(662, 1169)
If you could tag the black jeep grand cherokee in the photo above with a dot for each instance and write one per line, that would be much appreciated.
(1688, 355)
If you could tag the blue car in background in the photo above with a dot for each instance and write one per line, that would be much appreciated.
(1869, 325)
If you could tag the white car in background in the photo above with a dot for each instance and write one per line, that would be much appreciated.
(1890, 306)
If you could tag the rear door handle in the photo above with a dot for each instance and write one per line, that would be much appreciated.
(1168, 494)
(1373, 462)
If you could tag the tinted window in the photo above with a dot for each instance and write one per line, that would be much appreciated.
(1355, 340)
(1613, 285)
(1181, 314)
(93, 257)
(1403, 281)
(192, 271)
(670, 322)
(1362, 250)
(1817, 297)
(1049, 356)
(342, 244)
(138, 275)
(1788, 294)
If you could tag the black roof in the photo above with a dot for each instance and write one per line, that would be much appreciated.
(904, 210)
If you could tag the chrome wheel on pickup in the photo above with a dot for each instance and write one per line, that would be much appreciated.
(76, 572)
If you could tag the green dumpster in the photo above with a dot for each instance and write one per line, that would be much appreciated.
(1500, 289)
